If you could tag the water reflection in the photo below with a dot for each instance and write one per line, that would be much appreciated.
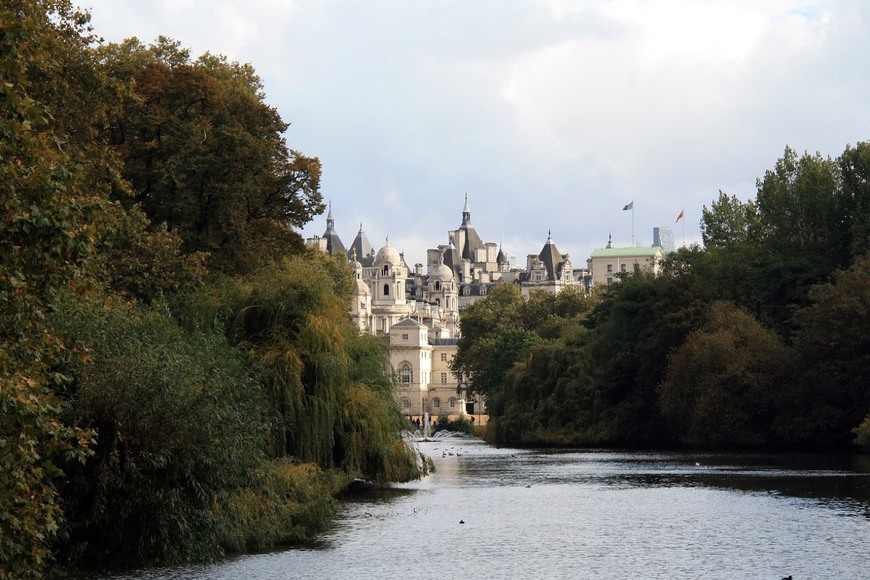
(592, 514)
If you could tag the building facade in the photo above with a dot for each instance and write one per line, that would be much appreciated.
(607, 265)
(420, 310)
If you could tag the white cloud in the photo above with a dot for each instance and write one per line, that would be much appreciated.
(551, 114)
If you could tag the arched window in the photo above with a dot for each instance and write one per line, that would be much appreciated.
(405, 374)
(386, 270)
(386, 289)
(437, 286)
(436, 403)
(438, 301)
(452, 403)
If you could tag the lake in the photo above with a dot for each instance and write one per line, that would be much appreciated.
(492, 512)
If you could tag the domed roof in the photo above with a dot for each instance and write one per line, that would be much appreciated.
(389, 255)
(362, 289)
(441, 272)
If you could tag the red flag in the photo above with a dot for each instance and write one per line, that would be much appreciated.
(679, 217)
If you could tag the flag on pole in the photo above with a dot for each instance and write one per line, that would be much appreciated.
(679, 217)
(628, 206)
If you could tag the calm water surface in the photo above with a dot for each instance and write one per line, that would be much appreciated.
(591, 514)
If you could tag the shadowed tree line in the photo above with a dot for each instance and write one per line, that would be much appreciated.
(180, 378)
(761, 339)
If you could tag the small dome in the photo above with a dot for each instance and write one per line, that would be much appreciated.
(362, 289)
(441, 272)
(388, 255)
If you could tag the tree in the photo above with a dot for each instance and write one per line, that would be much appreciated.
(181, 424)
(729, 222)
(833, 338)
(639, 322)
(854, 166)
(46, 238)
(722, 385)
(799, 209)
(144, 262)
(205, 155)
(482, 324)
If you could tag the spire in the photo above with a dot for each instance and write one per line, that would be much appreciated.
(466, 212)
(552, 259)
(334, 247)
(609, 244)
(501, 258)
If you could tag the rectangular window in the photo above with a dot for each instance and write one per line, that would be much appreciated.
(610, 267)
(443, 378)
(443, 357)
(609, 281)
(622, 267)
(404, 337)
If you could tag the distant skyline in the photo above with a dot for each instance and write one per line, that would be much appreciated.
(551, 114)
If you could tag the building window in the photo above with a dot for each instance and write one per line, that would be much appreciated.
(386, 289)
(436, 403)
(404, 336)
(609, 281)
(406, 405)
(452, 403)
(443, 357)
(622, 267)
(609, 268)
(437, 286)
(443, 378)
(405, 374)
(386, 270)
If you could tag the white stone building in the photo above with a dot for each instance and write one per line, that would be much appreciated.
(606, 265)
(420, 310)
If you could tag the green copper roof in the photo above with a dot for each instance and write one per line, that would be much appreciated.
(627, 252)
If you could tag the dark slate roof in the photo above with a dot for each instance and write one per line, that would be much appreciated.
(472, 240)
(552, 259)
(334, 247)
(453, 261)
(362, 249)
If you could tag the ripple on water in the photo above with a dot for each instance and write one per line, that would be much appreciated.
(587, 514)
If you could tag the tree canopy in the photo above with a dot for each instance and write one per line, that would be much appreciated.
(179, 374)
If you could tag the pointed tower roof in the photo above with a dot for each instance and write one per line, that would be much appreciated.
(472, 240)
(501, 259)
(362, 248)
(334, 247)
(552, 258)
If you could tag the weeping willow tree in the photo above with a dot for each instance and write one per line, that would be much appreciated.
(370, 417)
(329, 389)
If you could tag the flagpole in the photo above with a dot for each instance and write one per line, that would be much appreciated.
(632, 224)
(684, 231)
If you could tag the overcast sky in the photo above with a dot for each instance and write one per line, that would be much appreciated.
(551, 114)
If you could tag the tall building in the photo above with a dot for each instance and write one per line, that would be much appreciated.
(663, 238)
